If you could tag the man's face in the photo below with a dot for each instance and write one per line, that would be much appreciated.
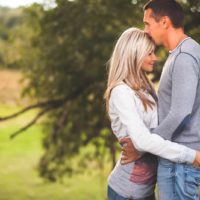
(152, 27)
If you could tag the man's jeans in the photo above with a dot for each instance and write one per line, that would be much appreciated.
(177, 181)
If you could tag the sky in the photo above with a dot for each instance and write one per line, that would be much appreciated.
(17, 3)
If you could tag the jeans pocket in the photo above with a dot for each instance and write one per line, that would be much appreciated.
(192, 180)
(166, 163)
(165, 169)
(195, 171)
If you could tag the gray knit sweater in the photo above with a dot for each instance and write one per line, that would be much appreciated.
(179, 96)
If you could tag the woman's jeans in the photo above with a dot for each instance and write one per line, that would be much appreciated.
(112, 195)
(177, 181)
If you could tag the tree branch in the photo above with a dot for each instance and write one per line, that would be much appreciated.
(31, 123)
(50, 103)
(38, 105)
(47, 106)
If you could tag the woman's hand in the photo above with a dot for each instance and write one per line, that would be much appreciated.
(129, 152)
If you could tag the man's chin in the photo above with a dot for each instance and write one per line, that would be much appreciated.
(158, 43)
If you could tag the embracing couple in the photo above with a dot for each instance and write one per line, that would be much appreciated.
(163, 130)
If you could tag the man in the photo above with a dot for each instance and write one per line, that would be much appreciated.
(178, 98)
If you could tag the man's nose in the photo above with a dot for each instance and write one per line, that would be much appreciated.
(146, 30)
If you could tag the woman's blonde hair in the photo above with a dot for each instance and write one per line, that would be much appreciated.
(126, 62)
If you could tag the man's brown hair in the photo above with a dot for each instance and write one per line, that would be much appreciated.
(169, 8)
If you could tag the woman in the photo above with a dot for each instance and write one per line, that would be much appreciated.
(131, 105)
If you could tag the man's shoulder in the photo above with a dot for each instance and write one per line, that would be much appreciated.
(187, 59)
(191, 47)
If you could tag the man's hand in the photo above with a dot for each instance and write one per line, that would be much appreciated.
(129, 153)
(196, 162)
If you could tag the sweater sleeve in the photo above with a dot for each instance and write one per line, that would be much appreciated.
(143, 140)
(123, 101)
(184, 85)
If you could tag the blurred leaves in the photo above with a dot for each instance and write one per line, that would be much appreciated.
(63, 53)
(73, 46)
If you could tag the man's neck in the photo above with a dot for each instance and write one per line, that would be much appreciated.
(173, 38)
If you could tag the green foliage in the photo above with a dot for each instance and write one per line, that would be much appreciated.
(64, 52)
(19, 173)
(192, 25)
(10, 20)
(73, 45)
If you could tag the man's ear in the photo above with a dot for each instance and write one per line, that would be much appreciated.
(165, 22)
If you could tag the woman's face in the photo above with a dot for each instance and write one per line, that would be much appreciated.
(149, 62)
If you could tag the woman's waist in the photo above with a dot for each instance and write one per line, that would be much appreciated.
(126, 182)
(144, 166)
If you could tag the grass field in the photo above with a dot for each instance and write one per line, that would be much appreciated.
(19, 157)
(18, 168)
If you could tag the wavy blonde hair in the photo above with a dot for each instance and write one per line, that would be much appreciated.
(125, 64)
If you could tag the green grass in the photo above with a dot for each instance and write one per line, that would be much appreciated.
(19, 178)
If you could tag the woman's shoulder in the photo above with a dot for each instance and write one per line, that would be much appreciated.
(121, 88)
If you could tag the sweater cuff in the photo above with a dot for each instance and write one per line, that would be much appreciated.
(189, 155)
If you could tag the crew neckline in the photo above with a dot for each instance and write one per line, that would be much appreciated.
(171, 51)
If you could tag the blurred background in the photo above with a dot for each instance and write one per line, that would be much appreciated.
(55, 137)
